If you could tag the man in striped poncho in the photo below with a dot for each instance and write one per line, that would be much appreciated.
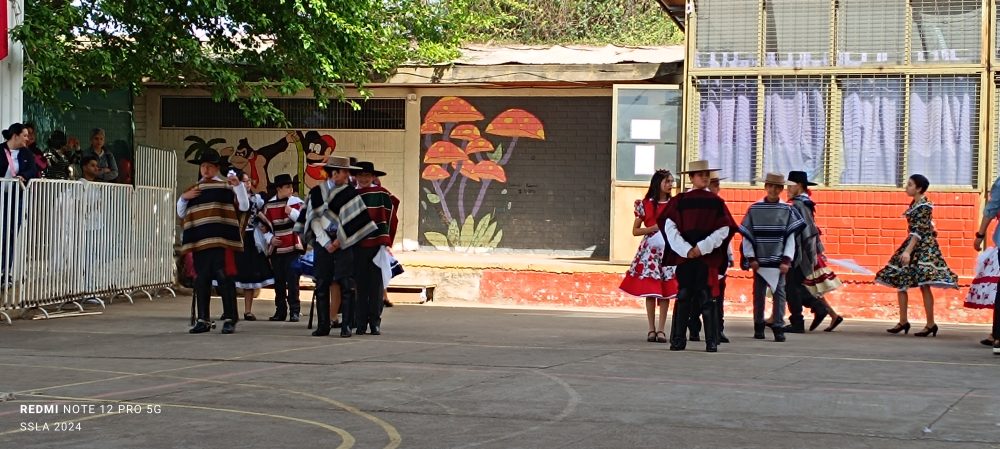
(335, 220)
(768, 230)
(382, 207)
(212, 232)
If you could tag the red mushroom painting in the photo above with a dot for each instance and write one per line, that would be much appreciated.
(465, 152)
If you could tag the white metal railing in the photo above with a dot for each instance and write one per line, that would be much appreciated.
(78, 240)
(155, 167)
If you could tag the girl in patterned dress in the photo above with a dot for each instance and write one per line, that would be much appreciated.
(647, 277)
(918, 262)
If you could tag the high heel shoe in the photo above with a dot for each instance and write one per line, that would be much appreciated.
(927, 331)
(904, 327)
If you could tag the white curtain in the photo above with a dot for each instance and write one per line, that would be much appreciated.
(726, 131)
(795, 126)
(872, 130)
(943, 128)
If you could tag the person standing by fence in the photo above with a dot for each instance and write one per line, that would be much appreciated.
(212, 232)
(105, 160)
(17, 163)
(61, 159)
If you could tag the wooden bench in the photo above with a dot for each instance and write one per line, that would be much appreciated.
(426, 290)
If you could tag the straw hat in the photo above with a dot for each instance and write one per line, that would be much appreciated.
(698, 166)
(777, 179)
(339, 162)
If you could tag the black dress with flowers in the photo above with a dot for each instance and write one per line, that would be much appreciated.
(927, 265)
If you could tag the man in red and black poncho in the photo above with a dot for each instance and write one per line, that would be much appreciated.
(371, 256)
(697, 227)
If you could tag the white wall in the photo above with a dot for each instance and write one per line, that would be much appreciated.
(12, 71)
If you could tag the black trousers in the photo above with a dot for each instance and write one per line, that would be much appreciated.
(798, 296)
(330, 268)
(286, 284)
(209, 265)
(369, 281)
(693, 297)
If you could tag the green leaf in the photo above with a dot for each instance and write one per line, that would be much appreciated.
(454, 234)
(439, 240)
(497, 154)
(468, 232)
(480, 229)
(433, 198)
(496, 240)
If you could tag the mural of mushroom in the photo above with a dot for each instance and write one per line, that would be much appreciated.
(443, 152)
(467, 152)
(514, 123)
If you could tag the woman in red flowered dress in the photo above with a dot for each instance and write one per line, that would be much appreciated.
(647, 277)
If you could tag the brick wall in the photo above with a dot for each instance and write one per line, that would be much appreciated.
(556, 198)
(869, 226)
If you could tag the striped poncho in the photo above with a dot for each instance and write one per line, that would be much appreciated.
(382, 208)
(211, 221)
(767, 226)
(285, 241)
(339, 211)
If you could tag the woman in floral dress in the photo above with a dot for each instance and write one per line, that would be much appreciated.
(647, 277)
(918, 262)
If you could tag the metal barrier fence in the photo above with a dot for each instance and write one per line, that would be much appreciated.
(68, 241)
(155, 167)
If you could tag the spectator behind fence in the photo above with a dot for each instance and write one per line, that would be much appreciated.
(105, 160)
(18, 161)
(32, 144)
(91, 168)
(63, 161)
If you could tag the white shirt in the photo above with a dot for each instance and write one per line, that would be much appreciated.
(14, 166)
(681, 246)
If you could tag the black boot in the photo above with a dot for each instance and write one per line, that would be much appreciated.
(694, 324)
(229, 326)
(201, 327)
(710, 316)
(758, 331)
(322, 310)
(679, 321)
(722, 321)
(797, 325)
(779, 333)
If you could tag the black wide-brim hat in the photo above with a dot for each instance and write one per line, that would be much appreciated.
(367, 167)
(283, 180)
(210, 155)
(800, 177)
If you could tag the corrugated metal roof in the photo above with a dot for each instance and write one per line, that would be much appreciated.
(576, 54)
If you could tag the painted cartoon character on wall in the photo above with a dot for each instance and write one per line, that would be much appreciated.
(318, 149)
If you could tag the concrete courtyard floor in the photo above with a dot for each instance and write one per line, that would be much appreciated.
(444, 376)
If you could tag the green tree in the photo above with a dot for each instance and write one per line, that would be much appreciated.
(238, 50)
(620, 22)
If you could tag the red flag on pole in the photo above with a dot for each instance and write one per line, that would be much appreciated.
(3, 30)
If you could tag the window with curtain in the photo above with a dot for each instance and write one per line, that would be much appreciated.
(795, 125)
(871, 130)
(870, 32)
(944, 122)
(728, 33)
(797, 34)
(946, 31)
(726, 128)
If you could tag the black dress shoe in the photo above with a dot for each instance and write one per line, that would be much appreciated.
(249, 317)
(345, 331)
(276, 318)
(376, 330)
(358, 331)
(228, 327)
(758, 331)
(321, 331)
(723, 338)
(200, 328)
(793, 329)
(817, 319)
(294, 318)
(694, 337)
(711, 346)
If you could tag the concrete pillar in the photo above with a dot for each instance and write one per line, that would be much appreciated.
(12, 70)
